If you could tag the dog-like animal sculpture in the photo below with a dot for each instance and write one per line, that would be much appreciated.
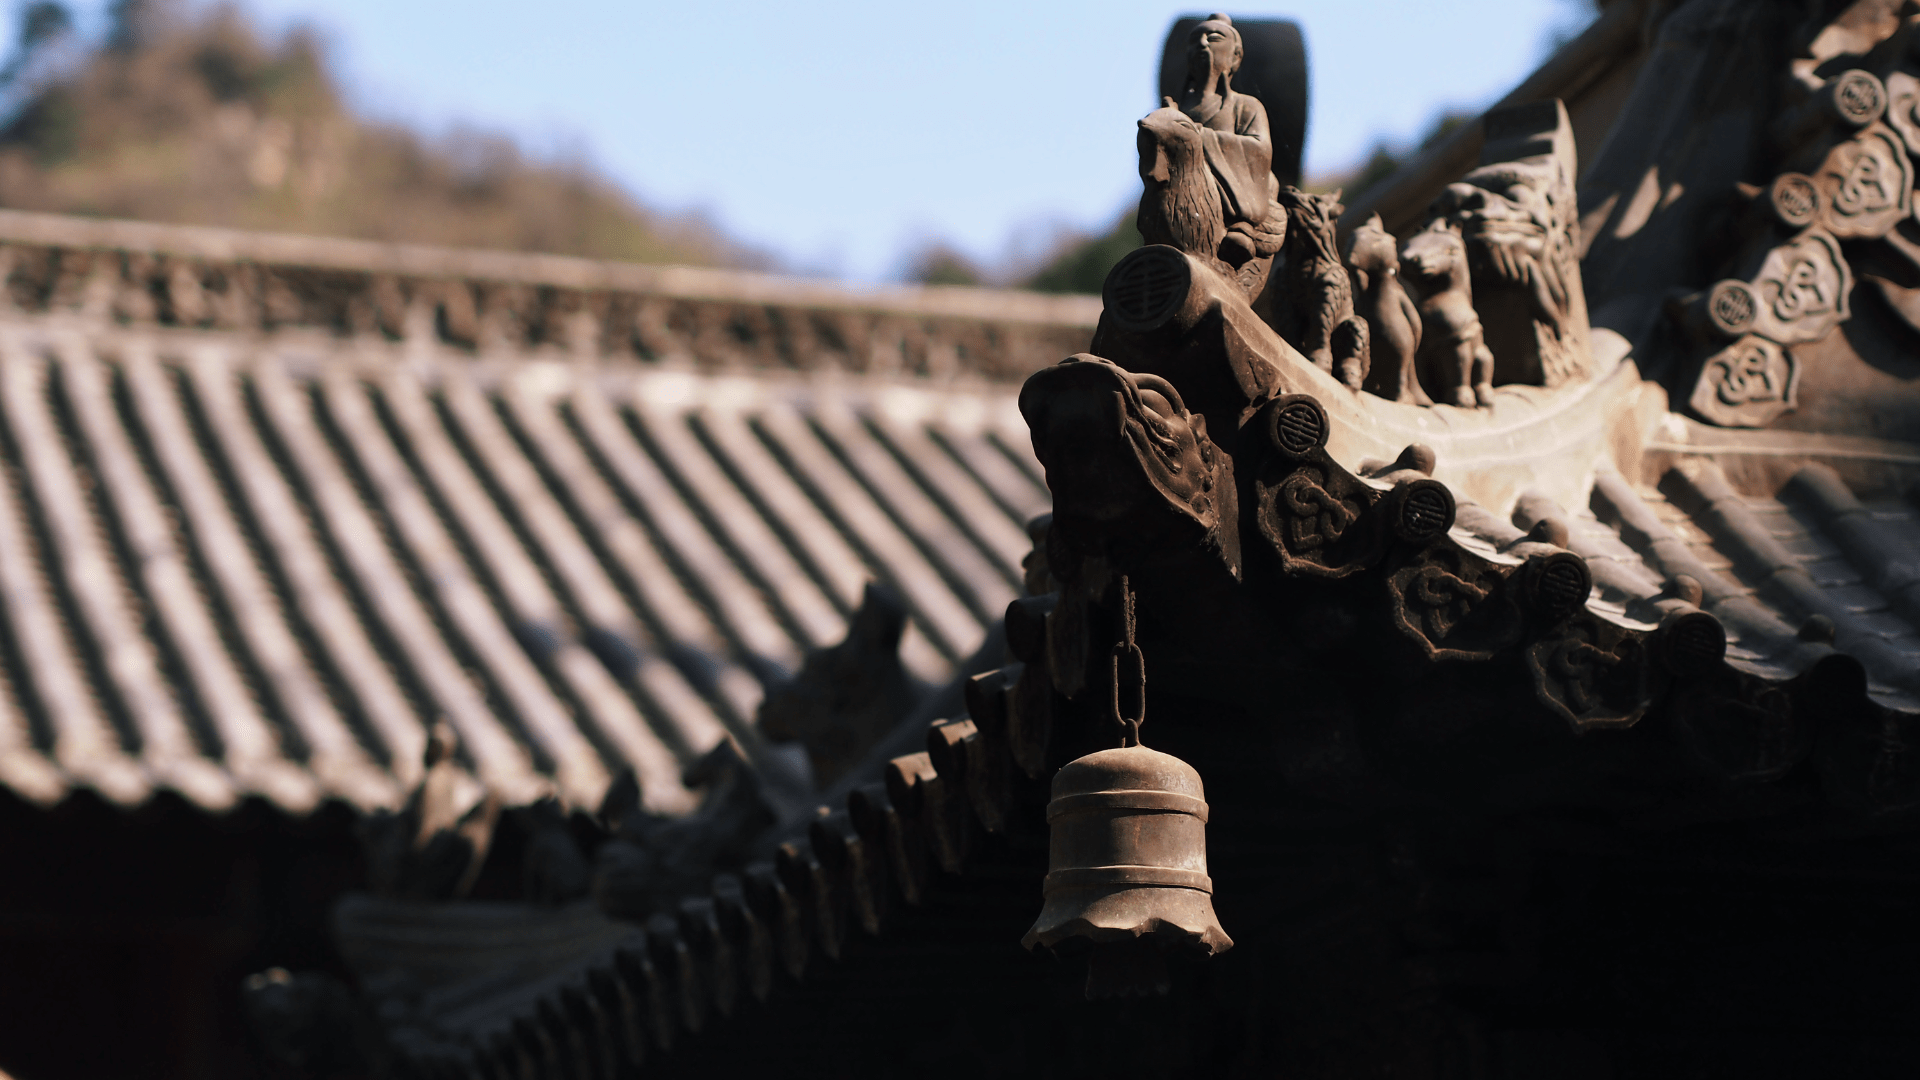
(1453, 347)
(1393, 319)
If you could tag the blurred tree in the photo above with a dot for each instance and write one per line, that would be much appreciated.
(1386, 159)
(1081, 264)
(37, 113)
(1381, 163)
(940, 264)
(189, 114)
(41, 24)
(130, 23)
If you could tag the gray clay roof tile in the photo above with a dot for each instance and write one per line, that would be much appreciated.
(239, 570)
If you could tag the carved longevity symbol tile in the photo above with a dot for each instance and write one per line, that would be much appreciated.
(1454, 603)
(1592, 672)
(1426, 511)
(1750, 383)
(1313, 514)
(1732, 307)
(1857, 97)
(1795, 199)
(1557, 585)
(1800, 291)
(1690, 643)
(1146, 289)
(1299, 427)
(1867, 182)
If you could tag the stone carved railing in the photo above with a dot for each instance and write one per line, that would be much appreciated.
(218, 279)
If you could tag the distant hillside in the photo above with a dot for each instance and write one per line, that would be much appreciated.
(193, 117)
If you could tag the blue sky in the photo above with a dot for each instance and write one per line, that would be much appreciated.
(841, 134)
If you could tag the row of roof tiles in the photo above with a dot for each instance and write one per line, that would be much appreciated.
(594, 995)
(239, 568)
(1792, 576)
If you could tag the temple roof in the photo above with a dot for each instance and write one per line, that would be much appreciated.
(1766, 565)
(1792, 578)
(1747, 662)
(248, 554)
(274, 506)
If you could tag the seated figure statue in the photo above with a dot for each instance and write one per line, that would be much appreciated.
(1207, 162)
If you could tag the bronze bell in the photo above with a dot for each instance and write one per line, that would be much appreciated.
(1127, 856)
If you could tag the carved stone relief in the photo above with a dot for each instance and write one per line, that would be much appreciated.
(1454, 359)
(1844, 147)
(1454, 604)
(1865, 183)
(1206, 160)
(1312, 513)
(1800, 290)
(1749, 383)
(1520, 220)
(1791, 293)
(1316, 314)
(1593, 672)
(471, 313)
(1393, 319)
(1494, 277)
(1315, 517)
(1124, 456)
